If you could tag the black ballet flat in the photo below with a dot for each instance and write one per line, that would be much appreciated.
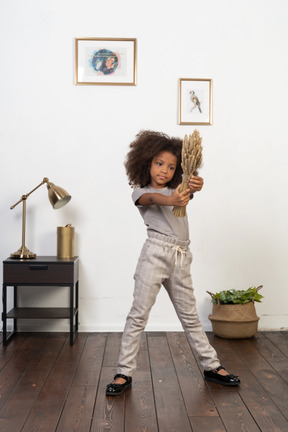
(227, 380)
(117, 389)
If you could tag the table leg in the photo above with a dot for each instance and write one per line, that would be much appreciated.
(15, 306)
(77, 307)
(71, 313)
(4, 313)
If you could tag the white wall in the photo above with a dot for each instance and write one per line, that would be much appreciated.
(78, 136)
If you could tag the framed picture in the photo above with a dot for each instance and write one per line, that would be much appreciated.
(195, 101)
(105, 61)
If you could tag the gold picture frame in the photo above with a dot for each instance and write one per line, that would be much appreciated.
(105, 61)
(195, 101)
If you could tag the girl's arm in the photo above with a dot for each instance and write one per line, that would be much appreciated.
(180, 199)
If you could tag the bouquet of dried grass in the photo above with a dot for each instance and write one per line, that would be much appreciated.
(191, 161)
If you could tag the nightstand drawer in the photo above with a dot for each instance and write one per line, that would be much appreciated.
(33, 273)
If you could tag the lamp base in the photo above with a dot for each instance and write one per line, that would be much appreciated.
(23, 253)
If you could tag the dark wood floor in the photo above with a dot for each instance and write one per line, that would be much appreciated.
(47, 385)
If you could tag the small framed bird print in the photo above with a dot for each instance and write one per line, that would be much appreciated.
(195, 101)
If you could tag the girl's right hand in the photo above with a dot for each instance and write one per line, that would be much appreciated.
(180, 199)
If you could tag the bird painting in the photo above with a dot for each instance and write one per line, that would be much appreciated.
(195, 101)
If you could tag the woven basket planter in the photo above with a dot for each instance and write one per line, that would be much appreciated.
(234, 321)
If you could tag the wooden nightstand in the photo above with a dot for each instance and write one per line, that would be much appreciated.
(41, 271)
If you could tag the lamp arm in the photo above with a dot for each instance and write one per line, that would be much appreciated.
(24, 197)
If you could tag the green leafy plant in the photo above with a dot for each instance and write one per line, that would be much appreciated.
(237, 296)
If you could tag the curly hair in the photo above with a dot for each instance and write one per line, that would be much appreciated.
(146, 145)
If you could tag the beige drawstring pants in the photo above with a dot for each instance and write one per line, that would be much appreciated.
(164, 261)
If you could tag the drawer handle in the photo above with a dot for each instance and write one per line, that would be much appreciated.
(38, 267)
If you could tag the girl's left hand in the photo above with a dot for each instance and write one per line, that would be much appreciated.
(195, 183)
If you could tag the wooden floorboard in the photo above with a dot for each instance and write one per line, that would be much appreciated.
(169, 402)
(199, 401)
(48, 386)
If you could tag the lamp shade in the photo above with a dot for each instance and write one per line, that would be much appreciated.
(58, 197)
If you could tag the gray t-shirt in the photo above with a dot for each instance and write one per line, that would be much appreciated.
(161, 218)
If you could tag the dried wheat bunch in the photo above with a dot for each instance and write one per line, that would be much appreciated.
(191, 161)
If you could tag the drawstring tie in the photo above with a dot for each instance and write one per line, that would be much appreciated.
(181, 251)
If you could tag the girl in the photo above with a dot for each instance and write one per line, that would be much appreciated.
(153, 167)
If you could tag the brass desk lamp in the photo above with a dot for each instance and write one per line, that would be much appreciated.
(58, 197)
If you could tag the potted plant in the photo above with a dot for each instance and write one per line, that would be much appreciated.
(234, 314)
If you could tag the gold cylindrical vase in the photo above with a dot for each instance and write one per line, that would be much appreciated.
(65, 241)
